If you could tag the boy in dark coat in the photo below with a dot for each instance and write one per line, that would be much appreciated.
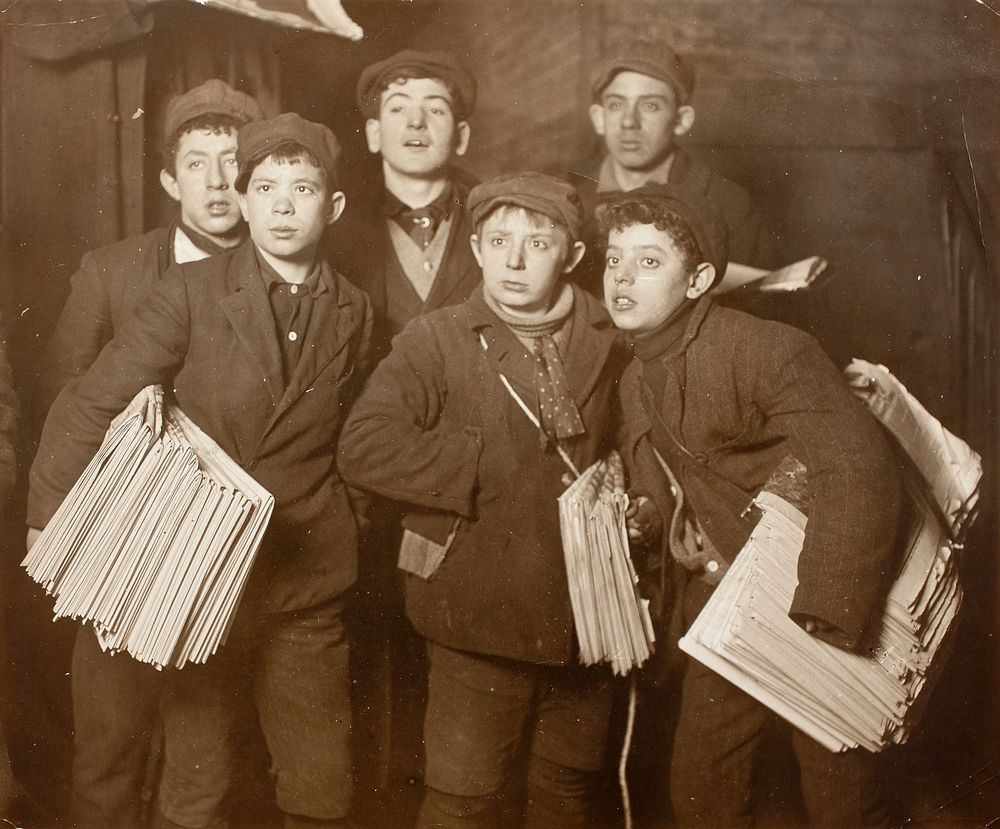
(437, 428)
(263, 348)
(407, 240)
(713, 402)
(199, 168)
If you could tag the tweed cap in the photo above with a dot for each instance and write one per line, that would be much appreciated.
(696, 211)
(445, 66)
(548, 195)
(660, 62)
(259, 139)
(214, 97)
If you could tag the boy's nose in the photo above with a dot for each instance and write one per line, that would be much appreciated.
(515, 258)
(217, 177)
(415, 118)
(630, 120)
(283, 205)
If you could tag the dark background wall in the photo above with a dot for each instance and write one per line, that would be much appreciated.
(868, 130)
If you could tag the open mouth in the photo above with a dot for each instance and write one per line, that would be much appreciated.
(218, 208)
(415, 142)
(622, 303)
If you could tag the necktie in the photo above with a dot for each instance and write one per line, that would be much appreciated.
(420, 223)
(558, 414)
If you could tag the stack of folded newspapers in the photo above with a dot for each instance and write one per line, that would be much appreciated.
(155, 541)
(612, 620)
(845, 700)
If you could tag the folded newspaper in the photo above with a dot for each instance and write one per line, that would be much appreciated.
(612, 620)
(845, 700)
(155, 541)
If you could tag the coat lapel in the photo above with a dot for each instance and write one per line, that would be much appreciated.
(590, 345)
(458, 270)
(249, 312)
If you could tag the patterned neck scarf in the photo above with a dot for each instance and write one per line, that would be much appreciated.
(559, 417)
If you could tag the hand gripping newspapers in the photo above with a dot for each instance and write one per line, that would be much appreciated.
(846, 700)
(154, 543)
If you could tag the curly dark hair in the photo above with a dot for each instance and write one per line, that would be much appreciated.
(373, 101)
(642, 210)
(216, 123)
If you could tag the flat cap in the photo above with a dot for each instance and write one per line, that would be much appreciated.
(548, 195)
(259, 139)
(445, 66)
(660, 62)
(214, 97)
(696, 211)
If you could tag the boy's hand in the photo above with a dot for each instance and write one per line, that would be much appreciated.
(642, 520)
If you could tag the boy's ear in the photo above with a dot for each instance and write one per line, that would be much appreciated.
(338, 201)
(474, 243)
(462, 134)
(373, 135)
(701, 280)
(241, 199)
(169, 183)
(596, 112)
(684, 120)
(574, 255)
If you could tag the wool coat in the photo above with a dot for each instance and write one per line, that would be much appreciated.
(741, 394)
(207, 333)
(436, 429)
(105, 290)
(360, 243)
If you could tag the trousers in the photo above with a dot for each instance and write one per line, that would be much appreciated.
(292, 667)
(717, 744)
(484, 712)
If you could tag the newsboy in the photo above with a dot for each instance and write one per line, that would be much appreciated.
(473, 421)
(198, 172)
(713, 402)
(263, 348)
(407, 243)
(641, 109)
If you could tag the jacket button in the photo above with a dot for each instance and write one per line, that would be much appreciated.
(701, 457)
(567, 479)
(712, 566)
(434, 493)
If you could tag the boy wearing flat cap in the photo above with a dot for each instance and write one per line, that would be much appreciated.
(262, 347)
(113, 706)
(641, 105)
(199, 166)
(714, 401)
(473, 420)
(407, 245)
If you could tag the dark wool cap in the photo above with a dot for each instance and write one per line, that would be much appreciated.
(660, 62)
(258, 139)
(214, 97)
(696, 211)
(543, 194)
(442, 65)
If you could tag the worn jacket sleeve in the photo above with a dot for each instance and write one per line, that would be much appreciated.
(394, 443)
(83, 329)
(850, 538)
(148, 349)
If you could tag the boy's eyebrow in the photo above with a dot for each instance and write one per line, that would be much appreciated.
(402, 93)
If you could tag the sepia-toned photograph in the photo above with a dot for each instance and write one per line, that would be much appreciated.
(486, 414)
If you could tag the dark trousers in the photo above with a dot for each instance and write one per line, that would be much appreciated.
(480, 712)
(291, 666)
(717, 744)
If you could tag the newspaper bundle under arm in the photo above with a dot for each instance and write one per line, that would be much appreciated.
(155, 541)
(846, 700)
